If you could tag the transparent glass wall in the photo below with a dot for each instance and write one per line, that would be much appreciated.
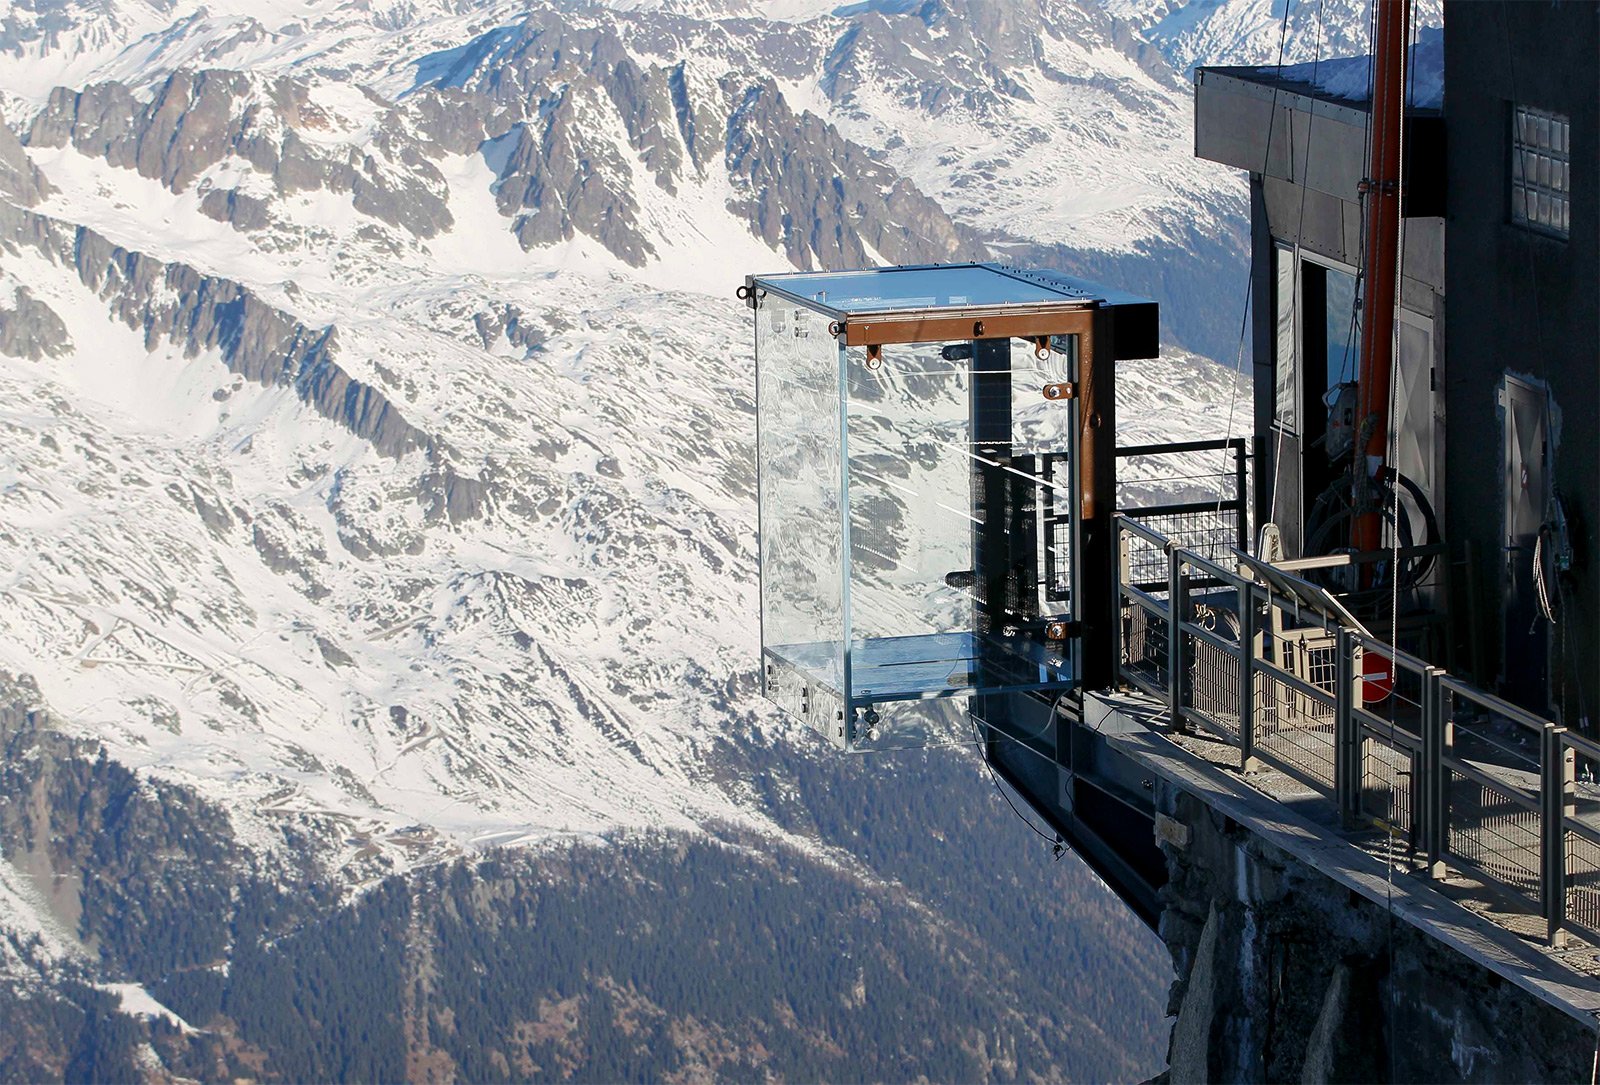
(800, 453)
(951, 495)
(916, 508)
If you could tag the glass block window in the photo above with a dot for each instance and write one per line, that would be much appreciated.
(1541, 179)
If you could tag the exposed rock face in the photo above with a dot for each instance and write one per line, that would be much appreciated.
(177, 304)
(196, 120)
(1283, 975)
(20, 180)
(559, 97)
(510, 323)
(802, 204)
(236, 208)
(31, 329)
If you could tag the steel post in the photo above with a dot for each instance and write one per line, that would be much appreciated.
(1242, 491)
(1177, 607)
(1123, 577)
(1247, 678)
(1434, 814)
(1096, 607)
(1346, 731)
(1555, 772)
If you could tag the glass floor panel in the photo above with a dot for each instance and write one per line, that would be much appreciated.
(934, 665)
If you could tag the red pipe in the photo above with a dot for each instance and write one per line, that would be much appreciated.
(1379, 266)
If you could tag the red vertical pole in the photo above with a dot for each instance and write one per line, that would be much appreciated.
(1381, 258)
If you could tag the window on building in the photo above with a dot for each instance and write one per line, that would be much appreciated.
(1287, 413)
(1540, 173)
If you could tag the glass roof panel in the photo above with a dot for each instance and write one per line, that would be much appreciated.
(880, 290)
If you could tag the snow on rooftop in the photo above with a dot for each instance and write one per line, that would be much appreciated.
(1350, 78)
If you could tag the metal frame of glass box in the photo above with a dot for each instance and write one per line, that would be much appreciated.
(918, 464)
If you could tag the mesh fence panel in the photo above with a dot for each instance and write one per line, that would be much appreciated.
(1213, 684)
(1058, 560)
(1387, 775)
(1494, 833)
(1145, 639)
(1209, 533)
(1583, 882)
(1293, 727)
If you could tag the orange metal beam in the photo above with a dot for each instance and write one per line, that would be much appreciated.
(1379, 268)
(871, 330)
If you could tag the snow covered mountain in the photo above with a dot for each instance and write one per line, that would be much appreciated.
(379, 451)
(376, 467)
(1193, 32)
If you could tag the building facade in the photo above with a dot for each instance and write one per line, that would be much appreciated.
(1497, 348)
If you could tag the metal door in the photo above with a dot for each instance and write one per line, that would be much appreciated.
(1525, 634)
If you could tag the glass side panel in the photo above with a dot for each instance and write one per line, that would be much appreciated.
(910, 494)
(800, 450)
(949, 517)
(890, 289)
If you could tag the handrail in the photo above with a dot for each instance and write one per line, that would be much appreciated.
(1495, 704)
(1399, 738)
(1439, 824)
(1397, 656)
(1149, 535)
(1189, 557)
(1214, 445)
(1366, 557)
(1588, 747)
(1177, 507)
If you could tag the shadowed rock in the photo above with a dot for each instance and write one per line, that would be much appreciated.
(31, 329)
(20, 180)
(196, 120)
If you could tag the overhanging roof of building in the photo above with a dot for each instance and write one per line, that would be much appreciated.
(1282, 124)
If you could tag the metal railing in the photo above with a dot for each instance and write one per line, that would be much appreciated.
(1199, 501)
(1464, 778)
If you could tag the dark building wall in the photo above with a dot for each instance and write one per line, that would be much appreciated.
(1523, 303)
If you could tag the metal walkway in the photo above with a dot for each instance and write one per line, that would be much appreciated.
(1258, 670)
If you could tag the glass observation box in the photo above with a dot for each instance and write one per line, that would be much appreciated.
(917, 450)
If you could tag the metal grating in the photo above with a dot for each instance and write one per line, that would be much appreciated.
(1058, 560)
(1213, 684)
(1179, 491)
(1583, 882)
(1207, 532)
(1295, 730)
(1388, 775)
(1145, 637)
(1495, 833)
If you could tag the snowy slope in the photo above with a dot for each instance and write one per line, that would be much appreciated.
(481, 570)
